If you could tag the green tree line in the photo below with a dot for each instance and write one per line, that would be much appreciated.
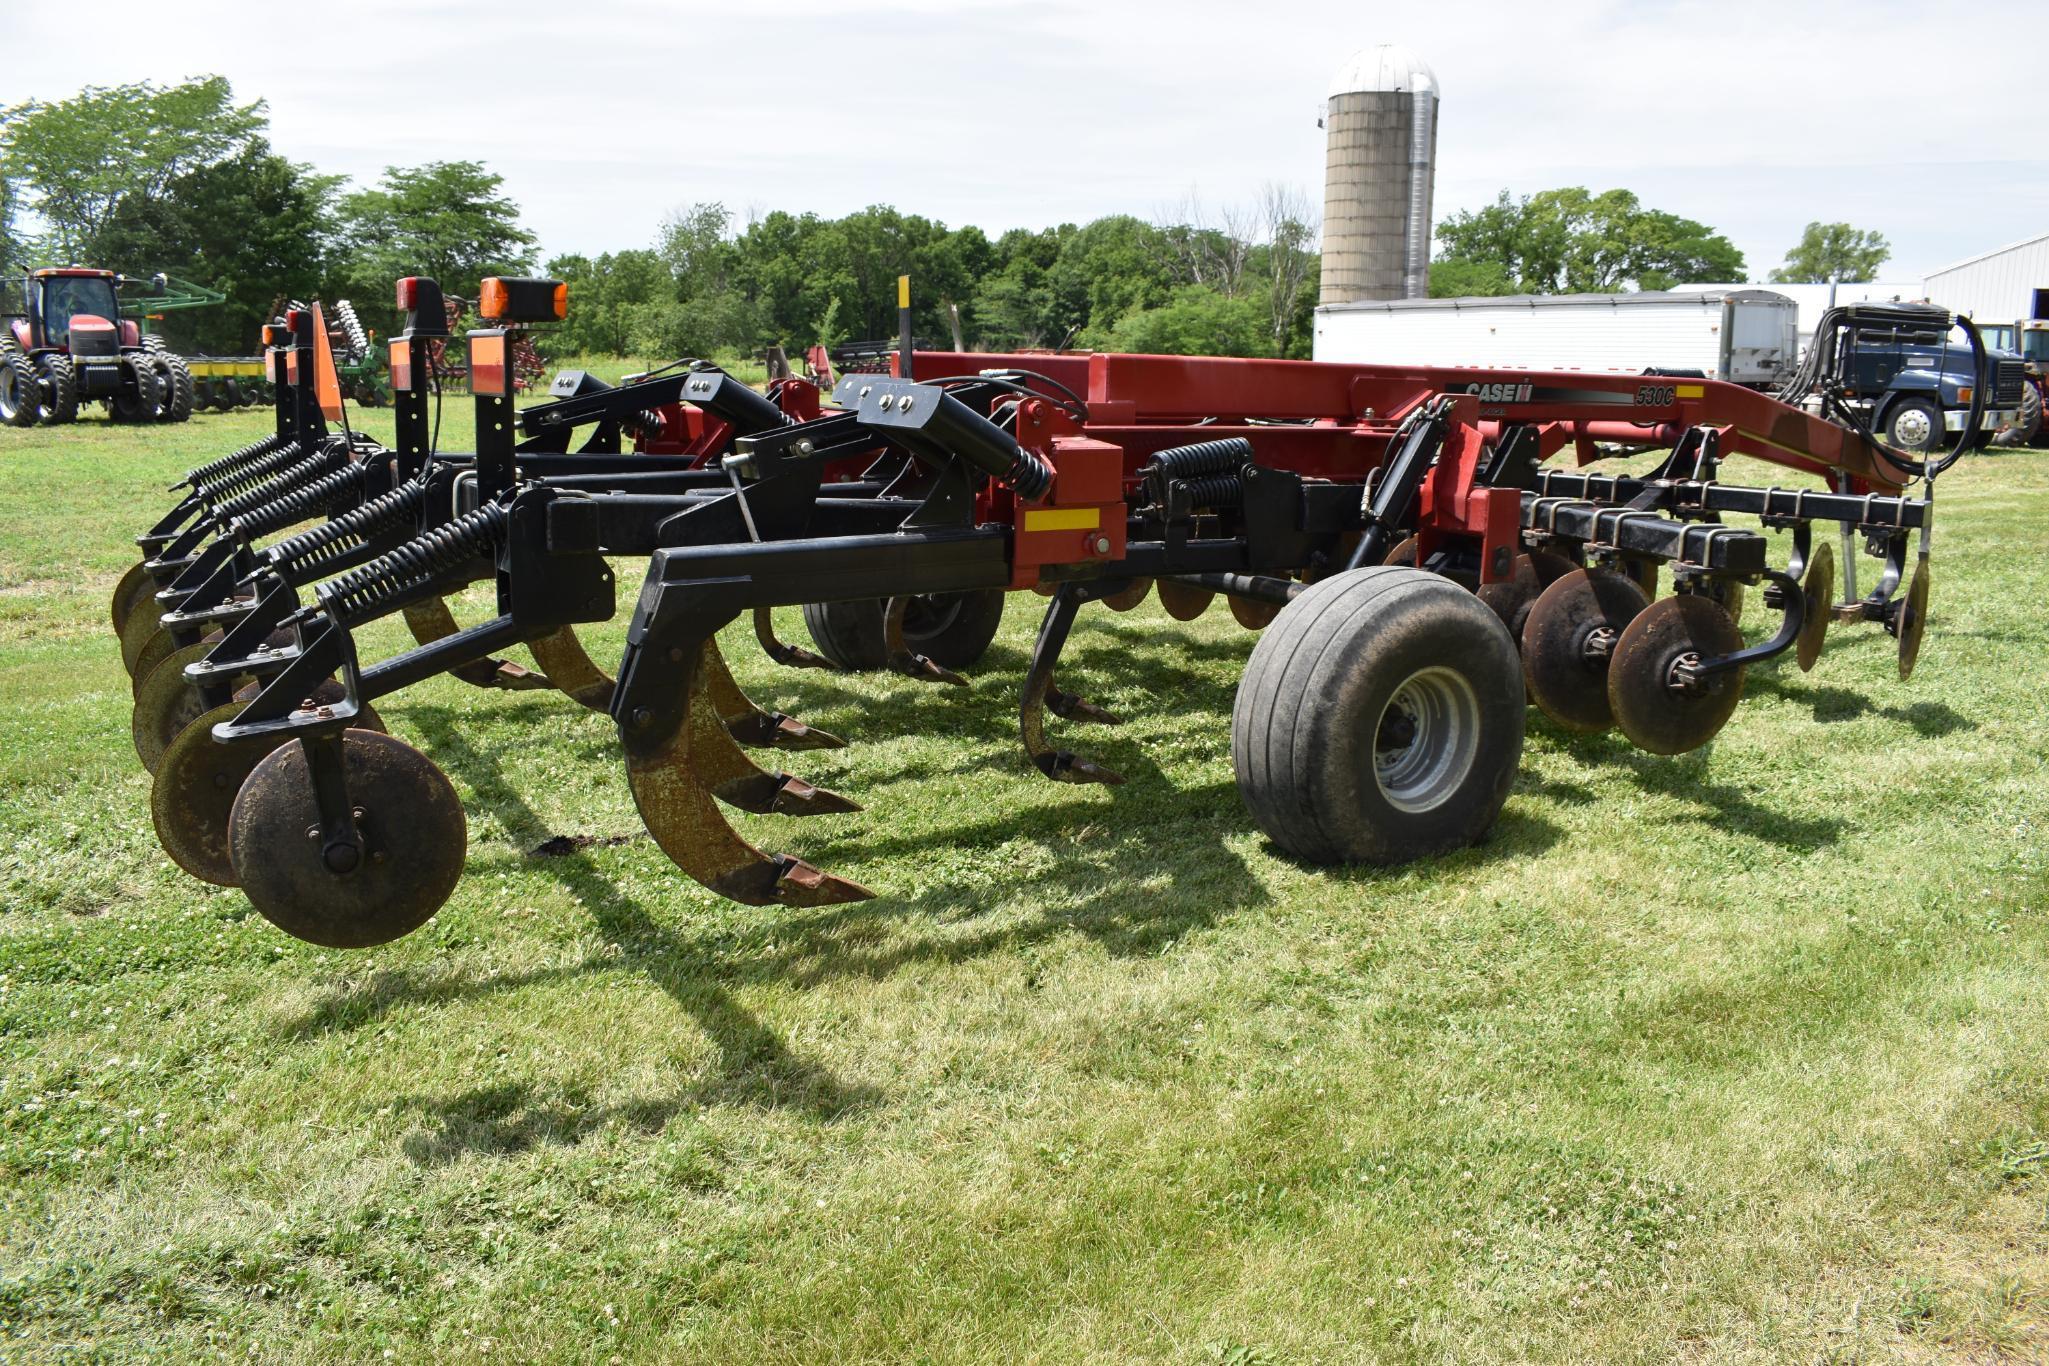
(183, 179)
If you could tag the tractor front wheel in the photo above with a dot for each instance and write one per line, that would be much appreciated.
(142, 398)
(20, 391)
(1380, 719)
(175, 379)
(60, 388)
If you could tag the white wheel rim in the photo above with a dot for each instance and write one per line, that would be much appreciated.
(1426, 739)
(1912, 428)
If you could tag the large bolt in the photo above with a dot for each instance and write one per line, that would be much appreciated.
(341, 857)
(643, 717)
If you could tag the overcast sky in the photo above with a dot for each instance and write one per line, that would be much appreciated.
(1923, 121)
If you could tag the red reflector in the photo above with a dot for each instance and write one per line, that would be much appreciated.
(407, 288)
(402, 366)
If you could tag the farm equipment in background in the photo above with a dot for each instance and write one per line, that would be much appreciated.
(1419, 571)
(449, 365)
(68, 343)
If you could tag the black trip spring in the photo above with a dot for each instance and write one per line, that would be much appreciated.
(1213, 491)
(336, 491)
(250, 475)
(279, 484)
(303, 558)
(234, 460)
(1029, 475)
(1193, 462)
(391, 580)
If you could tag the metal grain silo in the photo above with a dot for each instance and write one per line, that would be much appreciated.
(1380, 148)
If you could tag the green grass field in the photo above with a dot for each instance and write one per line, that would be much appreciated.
(1737, 1056)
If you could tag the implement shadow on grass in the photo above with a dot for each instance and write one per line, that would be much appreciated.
(1685, 778)
(1831, 704)
(509, 1118)
(1095, 858)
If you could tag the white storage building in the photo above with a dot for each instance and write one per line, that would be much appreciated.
(1999, 286)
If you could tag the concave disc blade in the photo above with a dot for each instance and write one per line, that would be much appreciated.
(414, 839)
(1913, 621)
(1656, 715)
(1819, 590)
(1184, 602)
(1567, 681)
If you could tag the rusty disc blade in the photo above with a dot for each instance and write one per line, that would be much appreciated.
(1512, 598)
(1657, 715)
(1129, 596)
(414, 837)
(562, 657)
(1253, 614)
(195, 789)
(144, 623)
(135, 585)
(1404, 552)
(1913, 620)
(1183, 601)
(1567, 676)
(1819, 591)
(159, 648)
(680, 812)
(166, 703)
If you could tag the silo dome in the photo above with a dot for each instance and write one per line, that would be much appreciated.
(1380, 150)
(1389, 67)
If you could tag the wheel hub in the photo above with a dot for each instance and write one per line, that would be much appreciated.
(1427, 739)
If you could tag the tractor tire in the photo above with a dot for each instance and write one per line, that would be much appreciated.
(143, 398)
(1380, 719)
(2028, 424)
(231, 394)
(21, 393)
(176, 377)
(952, 630)
(60, 388)
(152, 342)
(1915, 424)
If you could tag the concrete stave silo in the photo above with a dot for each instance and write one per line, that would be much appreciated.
(1380, 153)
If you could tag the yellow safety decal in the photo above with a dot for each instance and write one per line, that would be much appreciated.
(1062, 519)
(903, 291)
(1693, 391)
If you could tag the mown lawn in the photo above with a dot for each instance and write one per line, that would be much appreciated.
(1738, 1056)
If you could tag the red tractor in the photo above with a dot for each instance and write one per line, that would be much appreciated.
(67, 343)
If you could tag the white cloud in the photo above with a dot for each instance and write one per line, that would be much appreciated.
(605, 115)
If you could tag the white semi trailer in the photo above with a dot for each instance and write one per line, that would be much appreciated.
(1745, 336)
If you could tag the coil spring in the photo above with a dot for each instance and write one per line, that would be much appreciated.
(1029, 475)
(278, 485)
(214, 469)
(1215, 491)
(1193, 462)
(303, 557)
(330, 493)
(365, 593)
(250, 475)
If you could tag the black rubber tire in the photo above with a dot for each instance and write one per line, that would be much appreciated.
(21, 392)
(152, 342)
(953, 630)
(2027, 423)
(1308, 724)
(176, 378)
(143, 402)
(1937, 440)
(60, 388)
